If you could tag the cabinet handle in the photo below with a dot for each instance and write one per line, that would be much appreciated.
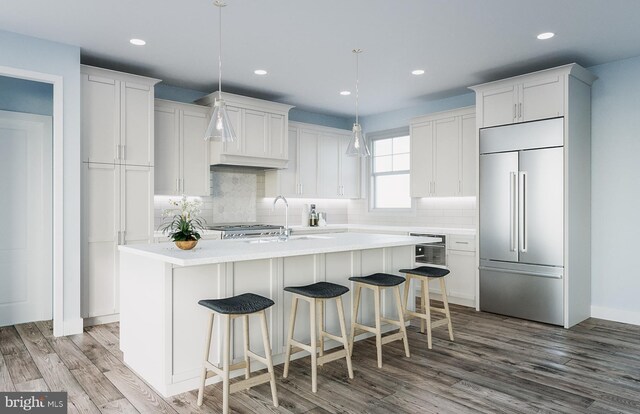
(117, 153)
(459, 186)
(123, 236)
(122, 149)
(182, 185)
(520, 110)
(514, 111)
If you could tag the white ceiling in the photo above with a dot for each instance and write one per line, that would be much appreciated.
(306, 44)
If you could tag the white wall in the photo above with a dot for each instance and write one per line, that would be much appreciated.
(615, 191)
(55, 58)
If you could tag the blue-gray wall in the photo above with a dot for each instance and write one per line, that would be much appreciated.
(20, 95)
(615, 188)
(37, 55)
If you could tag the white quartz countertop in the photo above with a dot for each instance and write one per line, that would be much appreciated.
(386, 228)
(221, 251)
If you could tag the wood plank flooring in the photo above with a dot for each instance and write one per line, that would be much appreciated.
(496, 365)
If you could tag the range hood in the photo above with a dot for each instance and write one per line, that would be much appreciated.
(262, 131)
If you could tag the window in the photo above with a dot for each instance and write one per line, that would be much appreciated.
(390, 172)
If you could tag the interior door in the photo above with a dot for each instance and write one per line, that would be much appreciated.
(498, 202)
(541, 218)
(26, 244)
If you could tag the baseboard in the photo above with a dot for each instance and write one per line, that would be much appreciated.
(101, 320)
(72, 326)
(616, 315)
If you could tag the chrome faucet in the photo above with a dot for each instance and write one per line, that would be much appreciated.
(285, 235)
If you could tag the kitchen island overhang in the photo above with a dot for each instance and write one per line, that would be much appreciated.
(162, 328)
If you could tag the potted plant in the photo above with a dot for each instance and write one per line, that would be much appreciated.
(182, 223)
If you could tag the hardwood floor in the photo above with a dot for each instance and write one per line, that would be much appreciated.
(496, 365)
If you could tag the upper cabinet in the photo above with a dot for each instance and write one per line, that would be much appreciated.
(181, 153)
(531, 97)
(117, 117)
(261, 131)
(318, 166)
(443, 155)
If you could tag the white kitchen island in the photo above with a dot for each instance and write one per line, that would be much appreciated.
(162, 327)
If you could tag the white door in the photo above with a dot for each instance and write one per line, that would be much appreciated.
(447, 181)
(100, 119)
(499, 106)
(26, 244)
(421, 159)
(137, 124)
(195, 154)
(167, 151)
(308, 163)
(542, 98)
(328, 166)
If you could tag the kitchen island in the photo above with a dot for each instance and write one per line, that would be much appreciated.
(162, 327)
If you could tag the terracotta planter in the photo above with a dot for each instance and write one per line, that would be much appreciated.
(186, 244)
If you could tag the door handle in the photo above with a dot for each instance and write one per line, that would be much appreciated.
(513, 210)
(514, 111)
(522, 213)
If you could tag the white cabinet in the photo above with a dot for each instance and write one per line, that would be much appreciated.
(181, 153)
(443, 154)
(117, 117)
(261, 132)
(117, 209)
(461, 261)
(318, 166)
(531, 97)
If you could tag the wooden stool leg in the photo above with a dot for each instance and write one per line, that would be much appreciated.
(403, 328)
(354, 317)
(445, 300)
(343, 331)
(426, 303)
(225, 363)
(292, 326)
(207, 346)
(245, 326)
(423, 300)
(407, 286)
(314, 345)
(321, 327)
(376, 293)
(267, 353)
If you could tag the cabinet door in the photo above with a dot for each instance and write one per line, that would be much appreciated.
(100, 119)
(421, 159)
(499, 106)
(235, 147)
(195, 154)
(289, 176)
(308, 163)
(256, 134)
(328, 166)
(461, 283)
(468, 156)
(542, 98)
(277, 137)
(136, 201)
(137, 124)
(167, 151)
(349, 171)
(447, 153)
(101, 226)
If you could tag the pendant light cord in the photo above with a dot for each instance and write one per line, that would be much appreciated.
(220, 6)
(357, 52)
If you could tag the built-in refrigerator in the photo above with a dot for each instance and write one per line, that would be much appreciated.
(522, 220)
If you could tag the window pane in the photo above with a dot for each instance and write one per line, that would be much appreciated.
(401, 162)
(392, 191)
(401, 144)
(382, 147)
(382, 164)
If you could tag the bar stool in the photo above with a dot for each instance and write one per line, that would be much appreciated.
(377, 282)
(317, 294)
(241, 306)
(424, 274)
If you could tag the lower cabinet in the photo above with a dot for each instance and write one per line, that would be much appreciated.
(117, 208)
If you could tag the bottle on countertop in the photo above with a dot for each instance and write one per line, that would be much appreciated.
(313, 216)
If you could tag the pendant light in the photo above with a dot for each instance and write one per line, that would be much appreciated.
(357, 145)
(220, 128)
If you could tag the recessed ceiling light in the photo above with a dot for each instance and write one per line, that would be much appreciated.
(260, 72)
(345, 93)
(417, 72)
(137, 42)
(545, 35)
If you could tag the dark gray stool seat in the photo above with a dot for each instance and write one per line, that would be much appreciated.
(236, 305)
(379, 279)
(320, 290)
(427, 271)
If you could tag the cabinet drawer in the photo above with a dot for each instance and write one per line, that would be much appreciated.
(463, 243)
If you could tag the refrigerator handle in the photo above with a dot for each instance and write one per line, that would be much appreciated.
(522, 213)
(513, 210)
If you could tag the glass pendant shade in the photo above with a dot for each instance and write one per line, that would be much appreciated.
(220, 128)
(357, 145)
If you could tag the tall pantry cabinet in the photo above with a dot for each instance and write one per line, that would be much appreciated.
(117, 180)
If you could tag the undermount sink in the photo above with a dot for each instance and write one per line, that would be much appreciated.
(291, 238)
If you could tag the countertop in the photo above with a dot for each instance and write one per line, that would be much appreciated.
(221, 251)
(385, 228)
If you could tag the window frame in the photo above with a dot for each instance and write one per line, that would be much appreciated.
(372, 138)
